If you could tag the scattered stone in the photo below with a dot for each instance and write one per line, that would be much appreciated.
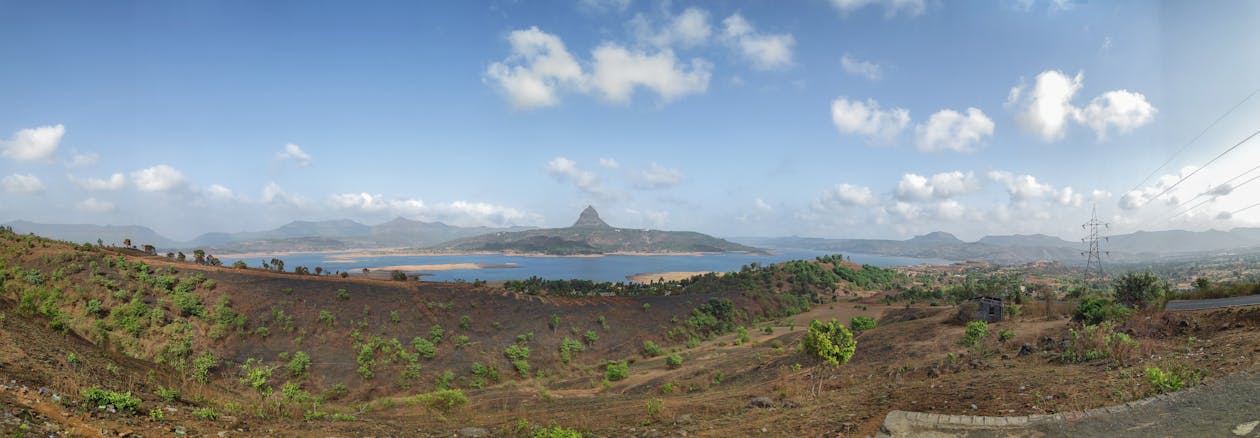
(760, 402)
(973, 406)
(683, 419)
(1026, 349)
(473, 432)
(763, 430)
(788, 403)
(1246, 428)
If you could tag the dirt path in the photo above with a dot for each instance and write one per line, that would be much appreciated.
(1227, 407)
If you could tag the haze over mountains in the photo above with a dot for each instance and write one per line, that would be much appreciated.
(591, 235)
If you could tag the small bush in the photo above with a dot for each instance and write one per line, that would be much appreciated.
(590, 337)
(206, 413)
(829, 341)
(556, 432)
(567, 347)
(443, 400)
(650, 349)
(976, 332)
(435, 334)
(327, 317)
(673, 361)
(1005, 335)
(616, 370)
(122, 401)
(741, 335)
(168, 394)
(343, 294)
(423, 346)
(299, 364)
(859, 324)
(1094, 311)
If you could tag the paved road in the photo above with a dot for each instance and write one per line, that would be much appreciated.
(1248, 300)
(1228, 407)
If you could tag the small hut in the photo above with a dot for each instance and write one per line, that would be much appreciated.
(988, 309)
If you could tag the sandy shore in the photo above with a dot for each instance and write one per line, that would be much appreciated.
(443, 267)
(668, 276)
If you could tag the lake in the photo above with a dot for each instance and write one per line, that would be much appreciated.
(613, 268)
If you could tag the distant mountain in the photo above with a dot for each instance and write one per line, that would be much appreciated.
(1030, 240)
(294, 236)
(1139, 246)
(591, 235)
(87, 233)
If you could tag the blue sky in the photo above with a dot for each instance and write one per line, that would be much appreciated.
(835, 118)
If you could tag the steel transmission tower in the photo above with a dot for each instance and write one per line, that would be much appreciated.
(1093, 257)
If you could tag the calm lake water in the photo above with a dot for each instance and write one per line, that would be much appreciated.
(608, 268)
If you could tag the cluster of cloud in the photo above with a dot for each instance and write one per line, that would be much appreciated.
(295, 154)
(540, 67)
(858, 67)
(891, 7)
(460, 213)
(946, 130)
(652, 177)
(1046, 109)
(33, 144)
(920, 201)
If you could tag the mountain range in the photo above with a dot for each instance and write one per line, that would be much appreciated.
(591, 235)
(1009, 249)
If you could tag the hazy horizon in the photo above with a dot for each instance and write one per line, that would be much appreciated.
(824, 119)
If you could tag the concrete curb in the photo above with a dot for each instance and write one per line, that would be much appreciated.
(907, 423)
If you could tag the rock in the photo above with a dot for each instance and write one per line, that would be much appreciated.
(473, 432)
(760, 402)
(683, 419)
(1026, 349)
(787, 403)
(973, 406)
(1245, 428)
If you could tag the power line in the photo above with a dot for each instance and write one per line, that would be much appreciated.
(1213, 160)
(1213, 188)
(1244, 209)
(1213, 198)
(1196, 138)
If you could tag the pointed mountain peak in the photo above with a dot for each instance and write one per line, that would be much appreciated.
(590, 218)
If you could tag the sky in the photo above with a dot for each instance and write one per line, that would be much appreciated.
(826, 118)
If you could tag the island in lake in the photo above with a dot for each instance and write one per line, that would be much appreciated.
(590, 235)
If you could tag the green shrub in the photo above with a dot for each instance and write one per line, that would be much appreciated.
(859, 324)
(616, 370)
(256, 375)
(206, 413)
(465, 322)
(673, 361)
(829, 341)
(1094, 311)
(122, 401)
(299, 364)
(741, 335)
(202, 365)
(1139, 290)
(423, 346)
(590, 337)
(342, 294)
(650, 349)
(435, 334)
(567, 347)
(1005, 335)
(394, 317)
(327, 317)
(443, 399)
(976, 332)
(168, 394)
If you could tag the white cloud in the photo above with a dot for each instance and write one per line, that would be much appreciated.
(765, 51)
(1021, 187)
(160, 178)
(93, 205)
(538, 66)
(891, 7)
(868, 119)
(1121, 109)
(861, 68)
(657, 176)
(295, 153)
(846, 195)
(1145, 195)
(690, 28)
(609, 163)
(22, 183)
(949, 210)
(460, 213)
(273, 194)
(33, 143)
(564, 169)
(913, 187)
(762, 206)
(80, 160)
(1046, 109)
(115, 182)
(220, 193)
(619, 70)
(951, 130)
(650, 218)
(603, 6)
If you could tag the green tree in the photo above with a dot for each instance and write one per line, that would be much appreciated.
(829, 341)
(1139, 290)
